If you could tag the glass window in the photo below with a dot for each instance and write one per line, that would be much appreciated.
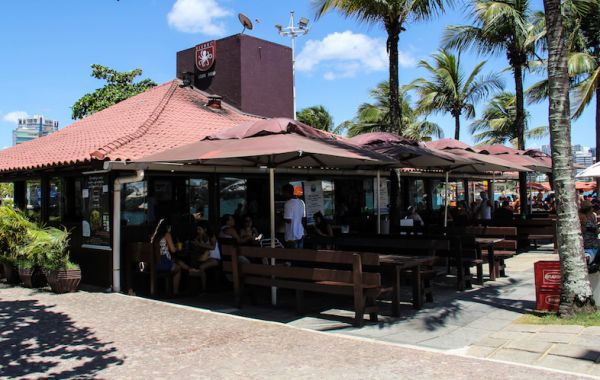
(416, 194)
(134, 203)
(199, 202)
(33, 197)
(232, 195)
(55, 207)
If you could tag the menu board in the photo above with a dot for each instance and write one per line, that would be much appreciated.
(314, 199)
(384, 197)
(96, 213)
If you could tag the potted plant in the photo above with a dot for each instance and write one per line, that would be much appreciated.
(63, 276)
(30, 274)
(13, 235)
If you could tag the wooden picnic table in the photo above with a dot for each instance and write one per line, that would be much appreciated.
(489, 244)
(405, 262)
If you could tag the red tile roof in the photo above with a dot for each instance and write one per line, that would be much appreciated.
(163, 117)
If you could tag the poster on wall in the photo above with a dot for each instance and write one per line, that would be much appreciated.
(384, 197)
(96, 213)
(314, 199)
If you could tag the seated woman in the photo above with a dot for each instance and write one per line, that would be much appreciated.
(248, 233)
(227, 230)
(589, 230)
(166, 263)
(205, 244)
(414, 215)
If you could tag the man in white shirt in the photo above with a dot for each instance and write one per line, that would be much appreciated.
(294, 211)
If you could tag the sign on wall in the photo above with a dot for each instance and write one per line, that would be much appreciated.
(313, 198)
(96, 213)
(205, 57)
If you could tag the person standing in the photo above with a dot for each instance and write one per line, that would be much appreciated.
(294, 212)
(485, 207)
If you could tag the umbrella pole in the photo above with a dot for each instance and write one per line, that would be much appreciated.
(378, 198)
(446, 201)
(272, 220)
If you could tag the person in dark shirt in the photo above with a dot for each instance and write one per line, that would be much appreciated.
(505, 212)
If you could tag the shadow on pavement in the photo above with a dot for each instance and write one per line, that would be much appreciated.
(36, 340)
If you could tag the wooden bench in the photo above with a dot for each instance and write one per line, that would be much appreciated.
(310, 270)
(420, 245)
(502, 250)
(534, 230)
(149, 254)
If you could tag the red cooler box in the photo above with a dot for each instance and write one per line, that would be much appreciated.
(547, 285)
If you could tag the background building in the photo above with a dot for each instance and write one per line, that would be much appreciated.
(33, 127)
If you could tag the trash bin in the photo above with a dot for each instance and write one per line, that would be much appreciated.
(547, 285)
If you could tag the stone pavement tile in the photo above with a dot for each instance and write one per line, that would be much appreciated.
(524, 328)
(567, 364)
(592, 330)
(458, 338)
(554, 337)
(491, 342)
(511, 335)
(588, 340)
(516, 356)
(576, 352)
(480, 351)
(417, 336)
(489, 324)
(529, 345)
(563, 329)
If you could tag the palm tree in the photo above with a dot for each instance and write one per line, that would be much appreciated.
(393, 14)
(497, 124)
(589, 64)
(502, 26)
(576, 293)
(317, 117)
(449, 90)
(374, 117)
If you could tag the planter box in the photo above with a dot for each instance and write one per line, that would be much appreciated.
(12, 274)
(32, 277)
(64, 280)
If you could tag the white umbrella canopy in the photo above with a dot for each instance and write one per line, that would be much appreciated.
(592, 171)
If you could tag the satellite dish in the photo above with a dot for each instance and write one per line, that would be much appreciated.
(245, 21)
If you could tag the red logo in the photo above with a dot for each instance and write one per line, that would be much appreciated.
(553, 300)
(205, 55)
(552, 277)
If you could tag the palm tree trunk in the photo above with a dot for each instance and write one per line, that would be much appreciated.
(576, 293)
(520, 122)
(457, 127)
(393, 30)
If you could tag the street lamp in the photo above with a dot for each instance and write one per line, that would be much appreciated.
(293, 31)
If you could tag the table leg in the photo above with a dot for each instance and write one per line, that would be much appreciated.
(396, 292)
(417, 302)
(491, 263)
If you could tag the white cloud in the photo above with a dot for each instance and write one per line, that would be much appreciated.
(345, 54)
(198, 16)
(13, 117)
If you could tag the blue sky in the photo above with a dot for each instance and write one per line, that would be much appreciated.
(48, 47)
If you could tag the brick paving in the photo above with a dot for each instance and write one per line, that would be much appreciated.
(97, 335)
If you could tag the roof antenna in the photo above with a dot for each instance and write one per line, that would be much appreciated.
(245, 21)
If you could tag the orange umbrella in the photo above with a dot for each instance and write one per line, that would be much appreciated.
(585, 186)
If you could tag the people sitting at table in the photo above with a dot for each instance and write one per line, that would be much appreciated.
(414, 215)
(504, 212)
(589, 230)
(322, 225)
(228, 230)
(205, 250)
(166, 261)
(248, 233)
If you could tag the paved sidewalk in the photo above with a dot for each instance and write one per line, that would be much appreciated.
(97, 335)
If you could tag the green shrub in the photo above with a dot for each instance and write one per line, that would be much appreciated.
(23, 242)
(14, 227)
